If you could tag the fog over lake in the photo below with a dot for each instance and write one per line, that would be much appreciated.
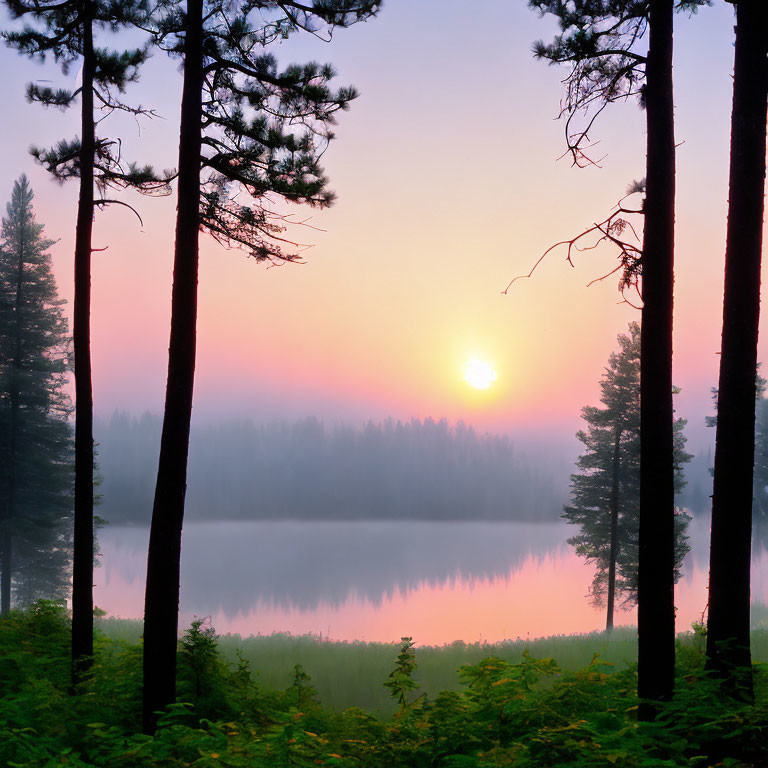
(377, 580)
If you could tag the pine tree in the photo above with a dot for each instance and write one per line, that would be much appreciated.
(605, 494)
(65, 30)
(247, 130)
(600, 40)
(36, 437)
(728, 625)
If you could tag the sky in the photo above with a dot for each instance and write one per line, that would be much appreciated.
(449, 185)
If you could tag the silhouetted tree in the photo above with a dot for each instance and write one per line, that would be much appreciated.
(728, 640)
(599, 40)
(605, 494)
(65, 31)
(246, 127)
(35, 435)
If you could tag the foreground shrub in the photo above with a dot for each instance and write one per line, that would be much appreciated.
(522, 714)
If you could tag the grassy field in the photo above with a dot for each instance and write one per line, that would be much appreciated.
(348, 674)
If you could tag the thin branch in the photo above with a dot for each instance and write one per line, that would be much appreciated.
(103, 202)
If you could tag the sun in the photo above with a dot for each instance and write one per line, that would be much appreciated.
(479, 374)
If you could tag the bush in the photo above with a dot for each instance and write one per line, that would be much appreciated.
(522, 713)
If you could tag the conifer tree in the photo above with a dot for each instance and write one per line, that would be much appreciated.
(605, 494)
(728, 625)
(600, 41)
(35, 434)
(64, 30)
(248, 130)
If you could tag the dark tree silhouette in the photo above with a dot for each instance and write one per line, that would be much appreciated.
(656, 560)
(65, 31)
(728, 641)
(35, 435)
(605, 493)
(248, 128)
(599, 40)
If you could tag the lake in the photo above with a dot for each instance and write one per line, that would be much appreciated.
(377, 581)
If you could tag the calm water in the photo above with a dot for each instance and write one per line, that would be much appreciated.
(438, 582)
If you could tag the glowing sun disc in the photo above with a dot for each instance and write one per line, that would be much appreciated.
(478, 374)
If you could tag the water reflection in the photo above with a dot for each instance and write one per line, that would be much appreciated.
(378, 580)
(302, 564)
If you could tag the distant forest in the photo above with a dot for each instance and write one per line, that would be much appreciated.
(393, 470)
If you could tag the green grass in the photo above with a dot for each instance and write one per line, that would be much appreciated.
(511, 710)
(348, 674)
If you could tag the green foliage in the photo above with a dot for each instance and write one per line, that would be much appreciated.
(200, 670)
(523, 713)
(400, 681)
(57, 30)
(609, 474)
(264, 128)
(35, 435)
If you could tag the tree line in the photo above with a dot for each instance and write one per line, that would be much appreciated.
(414, 470)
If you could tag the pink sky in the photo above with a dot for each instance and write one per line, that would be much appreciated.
(448, 187)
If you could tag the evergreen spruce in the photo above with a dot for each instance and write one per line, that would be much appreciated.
(35, 435)
(605, 494)
(249, 133)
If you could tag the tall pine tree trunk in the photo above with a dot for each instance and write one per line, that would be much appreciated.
(82, 569)
(6, 545)
(656, 611)
(730, 554)
(614, 545)
(161, 605)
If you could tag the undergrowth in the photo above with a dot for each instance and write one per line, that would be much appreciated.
(523, 713)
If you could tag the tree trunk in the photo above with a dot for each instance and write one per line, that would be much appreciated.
(161, 605)
(656, 611)
(82, 568)
(613, 554)
(730, 554)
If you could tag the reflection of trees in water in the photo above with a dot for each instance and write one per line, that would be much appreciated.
(234, 566)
